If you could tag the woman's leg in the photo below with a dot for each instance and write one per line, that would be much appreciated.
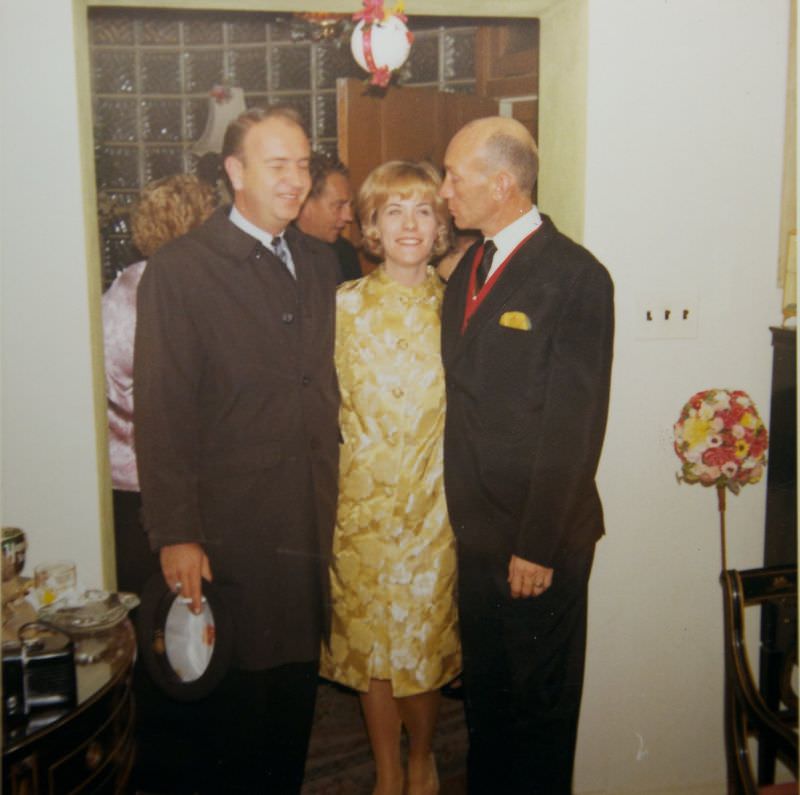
(382, 717)
(418, 714)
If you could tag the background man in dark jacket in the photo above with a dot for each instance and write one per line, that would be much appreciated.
(527, 332)
(328, 211)
(236, 420)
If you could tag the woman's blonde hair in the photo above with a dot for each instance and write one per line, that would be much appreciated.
(404, 179)
(169, 208)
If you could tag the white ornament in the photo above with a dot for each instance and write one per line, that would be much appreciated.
(381, 47)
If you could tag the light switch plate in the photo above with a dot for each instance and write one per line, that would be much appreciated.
(666, 315)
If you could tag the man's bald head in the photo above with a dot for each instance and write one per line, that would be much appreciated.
(490, 170)
(505, 144)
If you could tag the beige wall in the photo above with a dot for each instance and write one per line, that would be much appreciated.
(684, 144)
(49, 475)
(661, 141)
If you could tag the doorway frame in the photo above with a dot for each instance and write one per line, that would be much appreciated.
(562, 144)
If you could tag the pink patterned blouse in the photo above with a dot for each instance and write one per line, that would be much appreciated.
(119, 327)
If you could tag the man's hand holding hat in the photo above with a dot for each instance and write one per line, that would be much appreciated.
(184, 566)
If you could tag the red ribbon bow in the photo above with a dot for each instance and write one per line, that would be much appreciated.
(374, 13)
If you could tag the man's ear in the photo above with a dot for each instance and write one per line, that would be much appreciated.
(502, 183)
(234, 168)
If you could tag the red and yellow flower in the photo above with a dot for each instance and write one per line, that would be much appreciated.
(721, 439)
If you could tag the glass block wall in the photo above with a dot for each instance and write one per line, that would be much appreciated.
(152, 72)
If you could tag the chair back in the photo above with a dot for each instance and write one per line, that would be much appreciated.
(767, 709)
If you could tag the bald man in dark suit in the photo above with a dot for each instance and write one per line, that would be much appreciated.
(527, 337)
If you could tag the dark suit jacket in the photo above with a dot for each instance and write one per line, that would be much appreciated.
(526, 410)
(236, 407)
(349, 262)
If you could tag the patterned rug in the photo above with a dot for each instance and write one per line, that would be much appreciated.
(339, 759)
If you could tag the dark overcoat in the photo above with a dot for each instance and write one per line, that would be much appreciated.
(526, 407)
(236, 407)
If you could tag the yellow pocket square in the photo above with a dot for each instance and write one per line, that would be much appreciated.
(517, 320)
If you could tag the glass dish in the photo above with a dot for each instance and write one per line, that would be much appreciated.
(89, 612)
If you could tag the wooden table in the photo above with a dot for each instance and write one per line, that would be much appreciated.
(90, 749)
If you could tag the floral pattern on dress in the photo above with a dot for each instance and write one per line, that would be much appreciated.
(393, 575)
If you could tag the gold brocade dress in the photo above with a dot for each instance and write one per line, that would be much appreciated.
(393, 574)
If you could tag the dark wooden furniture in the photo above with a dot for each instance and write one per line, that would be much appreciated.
(90, 749)
(747, 713)
(780, 539)
(780, 532)
(507, 58)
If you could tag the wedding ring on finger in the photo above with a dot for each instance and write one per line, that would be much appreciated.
(177, 587)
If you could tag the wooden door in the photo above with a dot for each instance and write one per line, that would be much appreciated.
(402, 123)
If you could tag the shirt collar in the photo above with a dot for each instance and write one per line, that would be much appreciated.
(509, 238)
(251, 229)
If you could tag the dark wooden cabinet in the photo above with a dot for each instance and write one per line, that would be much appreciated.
(780, 537)
(779, 621)
(507, 58)
(90, 749)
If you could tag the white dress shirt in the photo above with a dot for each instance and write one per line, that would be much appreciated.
(263, 237)
(509, 238)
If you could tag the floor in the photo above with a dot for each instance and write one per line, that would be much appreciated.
(339, 760)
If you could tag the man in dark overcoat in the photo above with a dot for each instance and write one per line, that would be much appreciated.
(236, 408)
(527, 333)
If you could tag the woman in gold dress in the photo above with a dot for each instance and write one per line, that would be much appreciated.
(395, 631)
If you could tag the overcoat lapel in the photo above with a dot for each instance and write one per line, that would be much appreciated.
(303, 268)
(237, 250)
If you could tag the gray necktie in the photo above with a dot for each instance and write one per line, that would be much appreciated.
(281, 251)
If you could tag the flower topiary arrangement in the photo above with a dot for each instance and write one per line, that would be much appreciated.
(721, 442)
